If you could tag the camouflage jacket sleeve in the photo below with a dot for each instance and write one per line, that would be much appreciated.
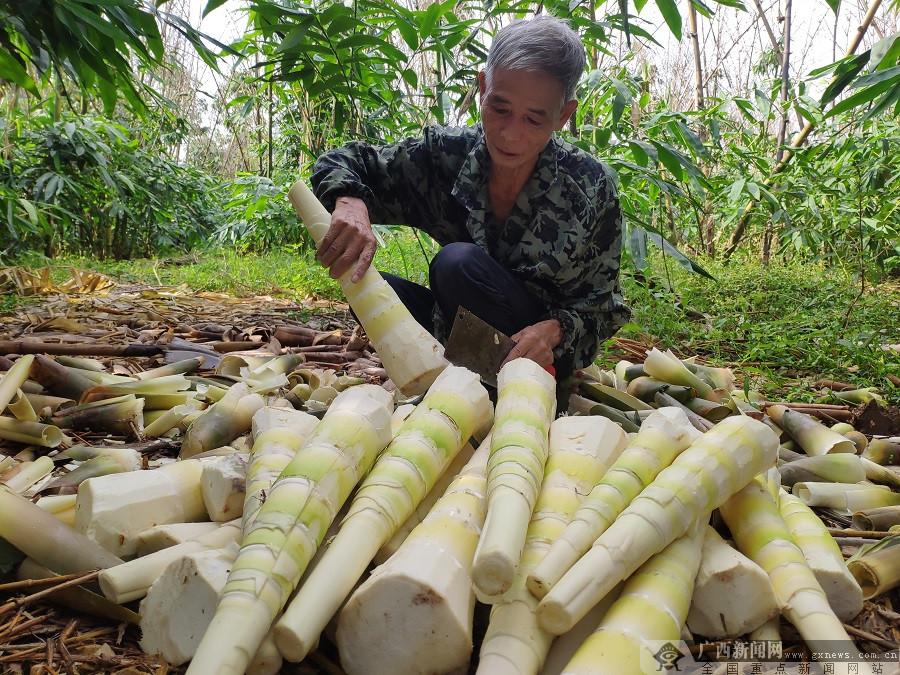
(592, 308)
(404, 183)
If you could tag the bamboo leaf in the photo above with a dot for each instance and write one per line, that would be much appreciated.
(669, 10)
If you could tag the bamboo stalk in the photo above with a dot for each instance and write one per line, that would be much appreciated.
(78, 349)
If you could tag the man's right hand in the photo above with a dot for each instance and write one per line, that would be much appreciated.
(349, 241)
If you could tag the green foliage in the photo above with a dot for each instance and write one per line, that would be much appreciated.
(92, 42)
(781, 325)
(84, 184)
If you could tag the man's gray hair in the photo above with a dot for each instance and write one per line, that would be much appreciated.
(543, 43)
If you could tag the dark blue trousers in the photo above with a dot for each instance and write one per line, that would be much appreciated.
(464, 274)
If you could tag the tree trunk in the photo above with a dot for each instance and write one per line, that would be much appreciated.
(782, 127)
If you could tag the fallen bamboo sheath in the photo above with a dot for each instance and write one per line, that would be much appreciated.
(645, 388)
(454, 408)
(168, 384)
(877, 567)
(667, 367)
(182, 367)
(42, 402)
(653, 606)
(121, 415)
(581, 450)
(112, 460)
(822, 555)
(59, 380)
(845, 496)
(169, 419)
(526, 405)
(761, 533)
(881, 474)
(725, 575)
(411, 355)
(28, 474)
(78, 348)
(41, 536)
(13, 379)
(883, 451)
(837, 468)
(75, 597)
(221, 423)
(691, 486)
(813, 437)
(131, 580)
(21, 408)
(31, 433)
(433, 564)
(709, 410)
(663, 436)
(701, 424)
(880, 518)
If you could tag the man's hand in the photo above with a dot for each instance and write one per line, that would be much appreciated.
(349, 241)
(536, 342)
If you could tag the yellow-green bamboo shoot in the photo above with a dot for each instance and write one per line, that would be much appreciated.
(725, 575)
(581, 450)
(823, 556)
(423, 592)
(526, 405)
(760, 533)
(652, 608)
(291, 524)
(713, 468)
(663, 436)
(455, 407)
(412, 357)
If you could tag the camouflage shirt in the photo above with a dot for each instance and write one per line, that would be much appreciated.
(562, 237)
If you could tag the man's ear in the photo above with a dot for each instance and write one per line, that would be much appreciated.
(482, 84)
(567, 111)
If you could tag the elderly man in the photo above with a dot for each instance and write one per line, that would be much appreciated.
(530, 226)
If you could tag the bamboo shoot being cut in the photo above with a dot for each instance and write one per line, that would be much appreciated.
(411, 355)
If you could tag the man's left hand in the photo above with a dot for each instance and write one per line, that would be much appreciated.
(536, 342)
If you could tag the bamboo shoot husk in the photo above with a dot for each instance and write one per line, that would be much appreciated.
(41, 536)
(878, 519)
(13, 380)
(31, 433)
(814, 437)
(78, 598)
(883, 451)
(877, 567)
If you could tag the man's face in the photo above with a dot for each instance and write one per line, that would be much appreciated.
(520, 110)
